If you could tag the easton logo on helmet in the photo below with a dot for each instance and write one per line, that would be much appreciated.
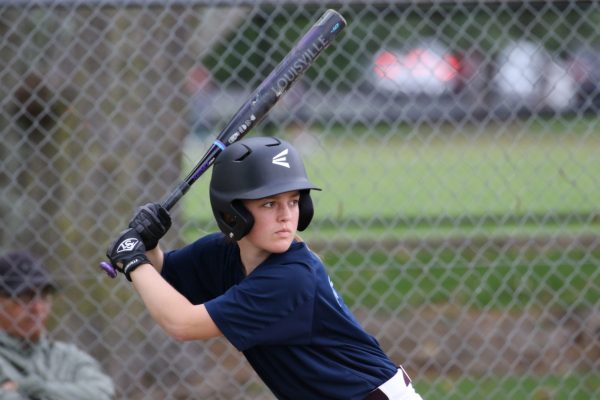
(280, 159)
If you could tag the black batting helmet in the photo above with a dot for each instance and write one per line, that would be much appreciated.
(252, 169)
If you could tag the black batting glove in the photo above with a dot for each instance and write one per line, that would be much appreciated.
(151, 221)
(127, 252)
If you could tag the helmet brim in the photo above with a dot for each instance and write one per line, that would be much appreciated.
(275, 189)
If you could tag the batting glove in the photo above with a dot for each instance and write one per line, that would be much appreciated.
(127, 252)
(151, 222)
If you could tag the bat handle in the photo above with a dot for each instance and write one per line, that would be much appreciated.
(175, 195)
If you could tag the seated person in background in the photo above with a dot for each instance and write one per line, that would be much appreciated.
(31, 365)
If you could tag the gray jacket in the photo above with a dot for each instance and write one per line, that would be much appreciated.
(51, 371)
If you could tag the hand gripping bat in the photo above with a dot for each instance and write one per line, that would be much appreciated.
(261, 101)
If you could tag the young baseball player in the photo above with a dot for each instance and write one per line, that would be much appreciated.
(258, 284)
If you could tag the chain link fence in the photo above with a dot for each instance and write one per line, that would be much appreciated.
(457, 144)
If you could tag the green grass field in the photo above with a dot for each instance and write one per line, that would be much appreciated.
(478, 279)
(458, 177)
(571, 386)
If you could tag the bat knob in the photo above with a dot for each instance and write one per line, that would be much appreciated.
(109, 269)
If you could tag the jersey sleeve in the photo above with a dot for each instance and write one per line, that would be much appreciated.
(274, 305)
(200, 271)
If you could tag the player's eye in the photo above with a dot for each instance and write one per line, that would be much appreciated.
(269, 204)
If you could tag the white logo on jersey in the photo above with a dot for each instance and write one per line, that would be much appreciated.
(335, 293)
(280, 159)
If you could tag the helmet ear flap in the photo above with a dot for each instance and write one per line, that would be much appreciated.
(306, 210)
(239, 223)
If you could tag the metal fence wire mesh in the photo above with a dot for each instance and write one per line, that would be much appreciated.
(457, 144)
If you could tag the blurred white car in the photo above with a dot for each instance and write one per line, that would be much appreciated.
(426, 69)
(527, 76)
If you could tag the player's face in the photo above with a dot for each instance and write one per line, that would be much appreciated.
(275, 221)
(25, 316)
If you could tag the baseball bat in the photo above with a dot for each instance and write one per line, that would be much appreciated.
(260, 102)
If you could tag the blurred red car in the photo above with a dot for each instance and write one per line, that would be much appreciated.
(428, 69)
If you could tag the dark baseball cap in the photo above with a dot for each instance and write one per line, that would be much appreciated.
(21, 272)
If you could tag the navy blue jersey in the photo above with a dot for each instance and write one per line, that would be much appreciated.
(286, 318)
